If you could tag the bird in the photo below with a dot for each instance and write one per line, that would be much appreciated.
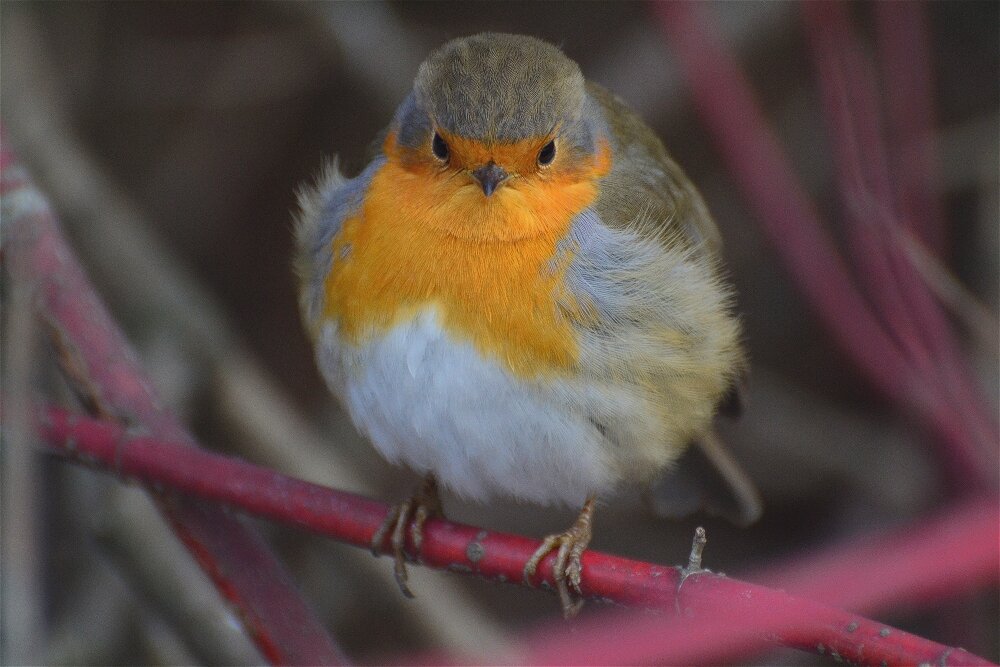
(521, 296)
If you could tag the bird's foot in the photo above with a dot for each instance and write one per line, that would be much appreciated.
(424, 504)
(567, 569)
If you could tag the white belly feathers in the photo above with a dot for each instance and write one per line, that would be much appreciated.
(438, 406)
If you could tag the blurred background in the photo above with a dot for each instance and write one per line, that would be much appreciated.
(171, 138)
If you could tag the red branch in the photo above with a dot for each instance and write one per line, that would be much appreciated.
(850, 104)
(103, 365)
(787, 216)
(924, 566)
(719, 614)
(904, 57)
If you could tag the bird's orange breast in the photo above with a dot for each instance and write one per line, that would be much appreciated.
(425, 237)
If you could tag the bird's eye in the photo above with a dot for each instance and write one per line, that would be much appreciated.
(439, 147)
(547, 154)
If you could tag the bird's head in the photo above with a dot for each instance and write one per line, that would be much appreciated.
(494, 119)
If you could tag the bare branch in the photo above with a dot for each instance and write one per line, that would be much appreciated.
(717, 613)
(235, 557)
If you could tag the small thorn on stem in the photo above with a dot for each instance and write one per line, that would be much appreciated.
(694, 561)
(697, 548)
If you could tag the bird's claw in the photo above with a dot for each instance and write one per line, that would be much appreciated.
(422, 506)
(567, 569)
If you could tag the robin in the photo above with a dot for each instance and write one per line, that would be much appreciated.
(521, 295)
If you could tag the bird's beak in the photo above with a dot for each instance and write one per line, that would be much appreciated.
(490, 176)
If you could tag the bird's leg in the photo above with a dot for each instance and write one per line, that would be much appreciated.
(424, 504)
(567, 569)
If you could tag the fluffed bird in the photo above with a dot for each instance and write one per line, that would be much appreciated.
(521, 295)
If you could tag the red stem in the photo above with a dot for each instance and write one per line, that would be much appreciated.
(851, 106)
(904, 56)
(787, 216)
(861, 191)
(927, 562)
(718, 613)
(721, 618)
(240, 564)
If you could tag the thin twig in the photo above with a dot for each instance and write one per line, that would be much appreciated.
(96, 622)
(159, 571)
(977, 319)
(21, 488)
